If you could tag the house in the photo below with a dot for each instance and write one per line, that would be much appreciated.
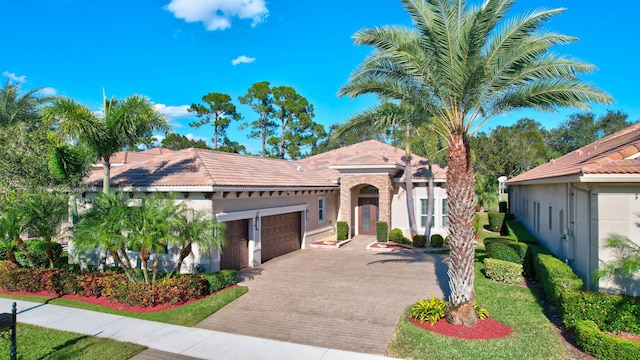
(573, 202)
(271, 206)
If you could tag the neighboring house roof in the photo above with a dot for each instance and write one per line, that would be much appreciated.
(612, 155)
(368, 153)
(198, 167)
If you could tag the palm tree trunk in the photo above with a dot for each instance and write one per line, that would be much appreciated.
(49, 253)
(408, 178)
(118, 260)
(106, 180)
(144, 258)
(156, 260)
(460, 191)
(12, 257)
(430, 204)
(183, 255)
(25, 251)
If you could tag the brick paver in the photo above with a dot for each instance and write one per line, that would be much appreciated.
(348, 299)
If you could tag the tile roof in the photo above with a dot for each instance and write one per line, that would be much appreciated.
(197, 167)
(370, 152)
(605, 156)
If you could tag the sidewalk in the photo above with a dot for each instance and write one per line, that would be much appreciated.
(186, 341)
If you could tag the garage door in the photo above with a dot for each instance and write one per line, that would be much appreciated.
(235, 255)
(280, 235)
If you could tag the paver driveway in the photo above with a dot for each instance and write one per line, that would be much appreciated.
(349, 299)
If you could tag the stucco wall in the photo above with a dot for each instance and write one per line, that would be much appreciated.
(399, 212)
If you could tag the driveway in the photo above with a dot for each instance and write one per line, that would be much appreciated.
(348, 299)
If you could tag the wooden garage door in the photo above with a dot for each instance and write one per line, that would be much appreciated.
(280, 235)
(235, 255)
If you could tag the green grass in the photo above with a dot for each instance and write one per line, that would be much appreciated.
(187, 315)
(35, 342)
(534, 336)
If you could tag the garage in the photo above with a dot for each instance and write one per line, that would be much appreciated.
(280, 235)
(235, 255)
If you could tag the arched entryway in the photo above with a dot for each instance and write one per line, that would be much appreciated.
(368, 213)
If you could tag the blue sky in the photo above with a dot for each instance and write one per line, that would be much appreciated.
(175, 51)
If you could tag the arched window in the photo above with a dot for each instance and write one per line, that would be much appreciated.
(369, 190)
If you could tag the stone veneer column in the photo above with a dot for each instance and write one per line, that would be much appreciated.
(384, 184)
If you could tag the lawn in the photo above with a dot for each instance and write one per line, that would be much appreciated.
(516, 306)
(35, 342)
(187, 315)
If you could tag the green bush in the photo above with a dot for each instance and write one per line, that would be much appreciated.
(37, 250)
(398, 237)
(419, 241)
(502, 206)
(477, 223)
(429, 310)
(592, 341)
(555, 277)
(506, 250)
(496, 220)
(436, 240)
(611, 312)
(503, 271)
(382, 230)
(342, 230)
(221, 279)
(446, 239)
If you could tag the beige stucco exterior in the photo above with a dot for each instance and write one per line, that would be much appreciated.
(400, 216)
(575, 218)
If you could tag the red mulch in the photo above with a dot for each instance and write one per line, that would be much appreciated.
(486, 329)
(102, 301)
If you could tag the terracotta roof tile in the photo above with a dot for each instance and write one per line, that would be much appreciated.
(605, 156)
(370, 152)
(197, 167)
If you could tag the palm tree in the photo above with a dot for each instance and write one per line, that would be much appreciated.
(120, 124)
(626, 266)
(44, 212)
(12, 224)
(195, 227)
(20, 108)
(464, 65)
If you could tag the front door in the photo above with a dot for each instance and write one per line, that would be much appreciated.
(368, 215)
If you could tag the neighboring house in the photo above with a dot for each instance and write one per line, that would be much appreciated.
(572, 203)
(272, 207)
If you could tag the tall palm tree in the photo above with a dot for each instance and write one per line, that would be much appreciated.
(464, 65)
(44, 212)
(121, 123)
(20, 108)
(196, 227)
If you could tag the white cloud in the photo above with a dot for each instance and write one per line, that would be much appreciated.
(173, 112)
(242, 59)
(14, 77)
(217, 14)
(159, 139)
(48, 91)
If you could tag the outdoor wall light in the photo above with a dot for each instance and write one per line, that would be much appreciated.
(256, 222)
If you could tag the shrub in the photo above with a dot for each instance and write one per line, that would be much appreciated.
(506, 250)
(591, 340)
(502, 206)
(398, 237)
(446, 239)
(419, 241)
(611, 312)
(382, 228)
(436, 240)
(477, 223)
(181, 289)
(37, 250)
(555, 277)
(503, 271)
(496, 221)
(481, 313)
(342, 230)
(429, 310)
(7, 278)
(221, 279)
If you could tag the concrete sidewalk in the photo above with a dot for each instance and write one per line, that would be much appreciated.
(174, 339)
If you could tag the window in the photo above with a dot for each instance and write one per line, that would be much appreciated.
(445, 213)
(536, 214)
(550, 218)
(424, 208)
(321, 209)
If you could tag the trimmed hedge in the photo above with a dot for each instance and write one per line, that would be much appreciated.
(436, 240)
(221, 279)
(502, 206)
(610, 312)
(419, 241)
(342, 230)
(591, 340)
(503, 271)
(496, 220)
(398, 237)
(506, 250)
(382, 230)
(555, 277)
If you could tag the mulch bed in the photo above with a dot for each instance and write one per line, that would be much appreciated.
(485, 330)
(102, 301)
(388, 246)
